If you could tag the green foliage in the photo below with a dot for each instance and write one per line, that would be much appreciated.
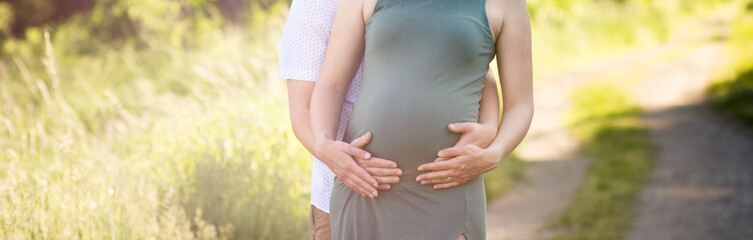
(128, 23)
(608, 123)
(6, 15)
(735, 96)
(599, 105)
(733, 93)
(498, 181)
(568, 33)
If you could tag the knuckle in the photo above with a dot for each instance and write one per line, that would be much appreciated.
(348, 168)
(352, 149)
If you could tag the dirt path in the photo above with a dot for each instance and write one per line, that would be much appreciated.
(702, 182)
(554, 169)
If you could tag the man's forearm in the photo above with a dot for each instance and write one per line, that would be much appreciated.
(326, 102)
(299, 100)
(489, 105)
(516, 120)
(302, 129)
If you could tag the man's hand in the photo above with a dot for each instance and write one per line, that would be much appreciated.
(339, 156)
(465, 161)
(477, 134)
(383, 170)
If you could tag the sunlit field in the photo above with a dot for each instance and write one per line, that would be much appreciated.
(166, 120)
(158, 140)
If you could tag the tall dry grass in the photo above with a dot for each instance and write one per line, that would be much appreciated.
(150, 143)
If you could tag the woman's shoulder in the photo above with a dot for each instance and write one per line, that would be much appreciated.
(498, 11)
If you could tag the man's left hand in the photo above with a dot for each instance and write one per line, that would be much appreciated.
(465, 161)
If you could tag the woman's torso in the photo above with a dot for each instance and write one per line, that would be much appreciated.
(424, 65)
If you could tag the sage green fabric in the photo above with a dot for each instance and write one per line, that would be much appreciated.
(424, 67)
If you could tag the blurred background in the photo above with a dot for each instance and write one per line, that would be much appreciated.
(165, 119)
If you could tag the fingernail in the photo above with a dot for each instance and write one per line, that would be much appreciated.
(452, 126)
(441, 153)
(371, 196)
(418, 179)
(367, 155)
(435, 187)
(399, 173)
(376, 194)
(423, 182)
(420, 168)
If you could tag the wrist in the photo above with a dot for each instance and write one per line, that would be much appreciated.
(496, 152)
(491, 133)
(320, 146)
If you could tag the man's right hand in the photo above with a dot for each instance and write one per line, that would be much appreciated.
(383, 170)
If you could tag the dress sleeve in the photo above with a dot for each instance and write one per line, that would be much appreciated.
(304, 40)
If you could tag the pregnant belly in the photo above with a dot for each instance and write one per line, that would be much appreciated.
(408, 128)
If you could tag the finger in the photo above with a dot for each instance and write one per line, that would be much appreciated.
(384, 187)
(387, 180)
(447, 185)
(462, 128)
(442, 165)
(362, 186)
(384, 172)
(444, 180)
(453, 151)
(354, 185)
(361, 141)
(376, 162)
(435, 175)
(368, 180)
(357, 152)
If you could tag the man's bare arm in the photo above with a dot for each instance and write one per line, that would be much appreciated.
(343, 55)
(299, 99)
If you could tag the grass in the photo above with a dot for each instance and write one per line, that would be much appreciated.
(732, 93)
(149, 142)
(607, 122)
(498, 181)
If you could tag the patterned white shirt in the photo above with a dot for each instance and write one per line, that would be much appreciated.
(302, 47)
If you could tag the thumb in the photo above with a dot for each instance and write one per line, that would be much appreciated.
(463, 127)
(361, 141)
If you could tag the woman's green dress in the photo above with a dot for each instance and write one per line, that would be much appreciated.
(424, 68)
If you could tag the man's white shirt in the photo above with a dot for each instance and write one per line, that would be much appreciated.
(302, 48)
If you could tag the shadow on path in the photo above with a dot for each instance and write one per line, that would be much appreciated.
(702, 183)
